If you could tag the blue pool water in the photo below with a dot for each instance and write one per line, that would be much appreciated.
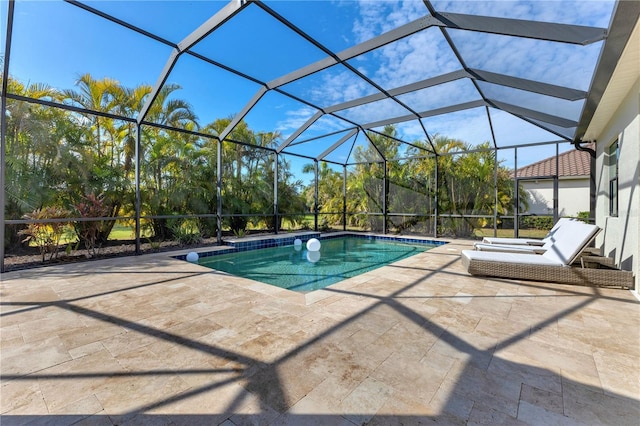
(299, 270)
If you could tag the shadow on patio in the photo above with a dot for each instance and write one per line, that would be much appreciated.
(411, 343)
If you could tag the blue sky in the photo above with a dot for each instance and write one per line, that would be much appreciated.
(55, 42)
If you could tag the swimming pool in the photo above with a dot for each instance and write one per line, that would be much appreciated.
(297, 269)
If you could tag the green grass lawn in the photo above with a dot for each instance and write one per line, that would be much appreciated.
(122, 232)
(119, 232)
(508, 233)
(303, 222)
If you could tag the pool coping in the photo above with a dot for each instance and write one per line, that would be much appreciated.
(236, 245)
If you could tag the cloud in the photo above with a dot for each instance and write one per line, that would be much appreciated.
(577, 12)
(443, 95)
(510, 130)
(417, 57)
(427, 54)
(527, 58)
(374, 111)
(410, 131)
(340, 85)
(294, 119)
(534, 101)
(475, 129)
(377, 17)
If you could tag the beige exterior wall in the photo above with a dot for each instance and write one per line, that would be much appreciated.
(621, 235)
(573, 196)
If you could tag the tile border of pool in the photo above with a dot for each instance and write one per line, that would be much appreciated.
(260, 242)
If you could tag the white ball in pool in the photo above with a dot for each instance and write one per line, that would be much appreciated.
(297, 242)
(313, 244)
(313, 256)
(192, 257)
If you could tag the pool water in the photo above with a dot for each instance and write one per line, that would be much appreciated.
(295, 268)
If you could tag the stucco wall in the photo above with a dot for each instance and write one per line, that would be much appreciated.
(621, 236)
(573, 196)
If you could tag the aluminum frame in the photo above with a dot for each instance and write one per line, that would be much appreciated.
(624, 18)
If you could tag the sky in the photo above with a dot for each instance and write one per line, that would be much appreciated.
(55, 42)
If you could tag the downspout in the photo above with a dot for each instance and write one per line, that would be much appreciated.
(592, 177)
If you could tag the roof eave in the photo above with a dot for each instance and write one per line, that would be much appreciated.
(623, 22)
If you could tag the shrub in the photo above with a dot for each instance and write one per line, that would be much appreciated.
(536, 222)
(208, 226)
(186, 232)
(237, 223)
(584, 216)
(89, 231)
(45, 235)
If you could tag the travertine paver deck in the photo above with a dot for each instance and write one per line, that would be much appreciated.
(152, 340)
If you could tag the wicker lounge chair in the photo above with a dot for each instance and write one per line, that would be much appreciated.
(528, 241)
(552, 266)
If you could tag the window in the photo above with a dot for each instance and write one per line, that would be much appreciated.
(613, 155)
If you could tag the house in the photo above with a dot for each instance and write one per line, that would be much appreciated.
(537, 180)
(615, 128)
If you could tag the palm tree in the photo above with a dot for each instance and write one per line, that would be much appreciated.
(366, 187)
(96, 95)
(330, 193)
(31, 147)
(467, 184)
(166, 154)
(100, 147)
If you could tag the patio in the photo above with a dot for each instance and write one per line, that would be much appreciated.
(153, 340)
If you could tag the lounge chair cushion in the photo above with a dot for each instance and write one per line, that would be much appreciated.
(503, 257)
(528, 241)
(513, 241)
(510, 248)
(569, 241)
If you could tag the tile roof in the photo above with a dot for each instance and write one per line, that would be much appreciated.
(572, 163)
